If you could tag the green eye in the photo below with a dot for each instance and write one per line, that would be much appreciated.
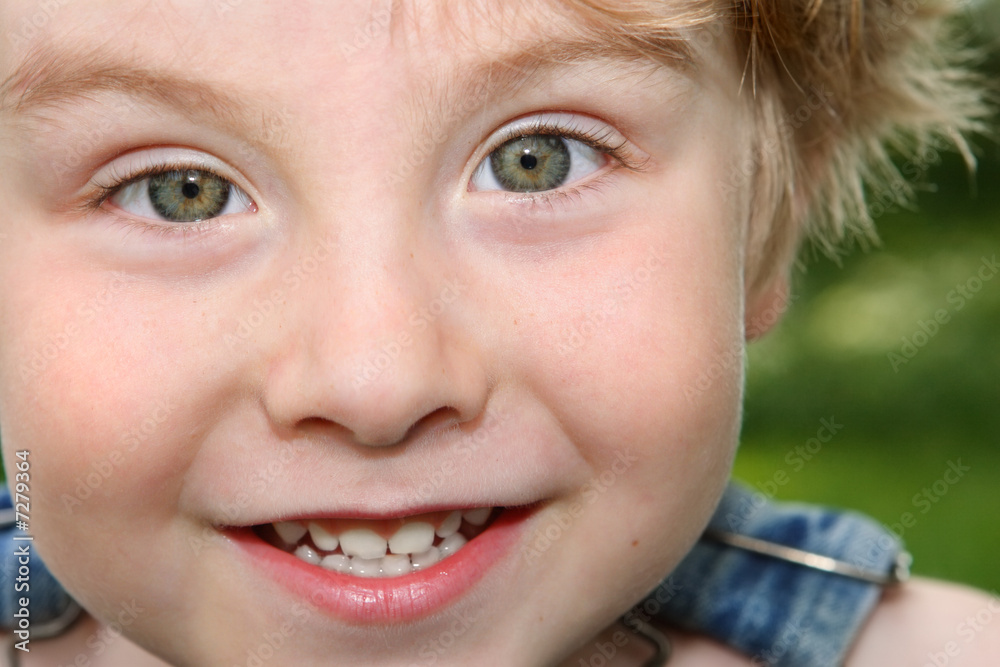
(187, 196)
(531, 164)
(182, 195)
(536, 163)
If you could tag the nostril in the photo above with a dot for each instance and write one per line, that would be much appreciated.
(443, 419)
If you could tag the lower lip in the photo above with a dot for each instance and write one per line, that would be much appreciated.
(367, 601)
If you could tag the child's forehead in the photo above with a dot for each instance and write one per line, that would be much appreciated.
(203, 39)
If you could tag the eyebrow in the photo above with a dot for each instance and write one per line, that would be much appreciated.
(49, 78)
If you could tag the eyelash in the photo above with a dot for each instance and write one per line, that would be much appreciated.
(597, 139)
(102, 193)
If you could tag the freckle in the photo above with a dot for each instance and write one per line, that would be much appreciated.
(635, 543)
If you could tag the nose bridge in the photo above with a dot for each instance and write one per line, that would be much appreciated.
(372, 340)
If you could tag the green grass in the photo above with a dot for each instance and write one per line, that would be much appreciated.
(902, 426)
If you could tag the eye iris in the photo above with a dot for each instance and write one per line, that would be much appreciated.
(532, 163)
(188, 196)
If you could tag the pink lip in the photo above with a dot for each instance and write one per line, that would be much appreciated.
(370, 601)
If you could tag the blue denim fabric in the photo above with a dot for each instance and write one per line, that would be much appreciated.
(781, 614)
(47, 599)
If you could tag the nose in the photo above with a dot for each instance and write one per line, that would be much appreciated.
(375, 344)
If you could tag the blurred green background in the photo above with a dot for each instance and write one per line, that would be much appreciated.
(901, 426)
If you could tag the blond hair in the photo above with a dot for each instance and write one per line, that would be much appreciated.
(840, 88)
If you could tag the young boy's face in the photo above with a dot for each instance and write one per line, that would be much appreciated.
(366, 325)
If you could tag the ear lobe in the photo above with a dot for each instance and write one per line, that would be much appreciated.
(765, 307)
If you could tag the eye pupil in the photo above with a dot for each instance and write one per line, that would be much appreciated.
(190, 190)
(529, 161)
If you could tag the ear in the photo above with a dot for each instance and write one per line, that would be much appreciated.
(765, 307)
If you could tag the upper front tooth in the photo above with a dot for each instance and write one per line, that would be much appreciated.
(289, 531)
(477, 517)
(322, 538)
(412, 538)
(363, 543)
(450, 525)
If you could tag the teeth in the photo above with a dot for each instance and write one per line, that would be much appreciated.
(412, 538)
(450, 525)
(395, 565)
(337, 563)
(363, 543)
(366, 567)
(425, 559)
(451, 544)
(321, 538)
(290, 531)
(308, 555)
(364, 553)
(477, 517)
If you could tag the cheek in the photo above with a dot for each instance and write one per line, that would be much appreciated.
(83, 389)
(638, 354)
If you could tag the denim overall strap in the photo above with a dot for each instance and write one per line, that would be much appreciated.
(50, 609)
(783, 607)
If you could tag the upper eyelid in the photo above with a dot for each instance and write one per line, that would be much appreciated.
(144, 164)
(567, 124)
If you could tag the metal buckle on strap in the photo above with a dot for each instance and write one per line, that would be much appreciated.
(899, 573)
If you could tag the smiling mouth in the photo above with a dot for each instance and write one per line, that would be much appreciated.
(379, 548)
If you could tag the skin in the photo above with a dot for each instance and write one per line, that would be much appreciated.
(164, 361)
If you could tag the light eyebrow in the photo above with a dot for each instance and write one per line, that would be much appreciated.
(456, 95)
(51, 78)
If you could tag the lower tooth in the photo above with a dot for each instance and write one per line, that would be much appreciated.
(308, 555)
(425, 559)
(337, 563)
(395, 565)
(366, 567)
(451, 544)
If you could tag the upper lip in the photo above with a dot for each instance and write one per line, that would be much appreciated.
(379, 514)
